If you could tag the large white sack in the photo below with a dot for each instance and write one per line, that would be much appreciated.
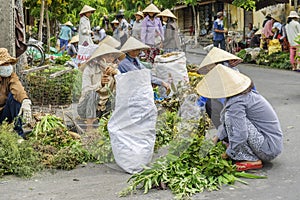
(174, 65)
(132, 124)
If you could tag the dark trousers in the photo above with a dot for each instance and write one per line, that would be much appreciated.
(213, 109)
(222, 44)
(10, 113)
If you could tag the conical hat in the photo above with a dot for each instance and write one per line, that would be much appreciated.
(86, 9)
(105, 49)
(133, 44)
(5, 58)
(68, 23)
(151, 8)
(139, 13)
(111, 41)
(115, 21)
(167, 13)
(75, 39)
(216, 55)
(222, 82)
(277, 18)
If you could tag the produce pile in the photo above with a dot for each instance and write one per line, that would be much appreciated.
(192, 165)
(54, 85)
(278, 60)
(51, 146)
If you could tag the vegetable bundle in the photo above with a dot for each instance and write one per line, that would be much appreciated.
(55, 85)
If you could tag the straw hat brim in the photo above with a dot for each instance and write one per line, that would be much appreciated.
(133, 44)
(167, 13)
(105, 49)
(111, 41)
(86, 9)
(277, 18)
(5, 58)
(75, 39)
(151, 8)
(115, 22)
(68, 23)
(222, 82)
(216, 55)
(139, 13)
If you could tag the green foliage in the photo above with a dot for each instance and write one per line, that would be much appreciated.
(99, 145)
(244, 55)
(246, 4)
(58, 148)
(166, 129)
(59, 90)
(61, 60)
(16, 155)
(198, 168)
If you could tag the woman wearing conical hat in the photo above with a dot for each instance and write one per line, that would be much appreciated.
(249, 124)
(85, 31)
(137, 25)
(65, 35)
(152, 32)
(171, 42)
(132, 48)
(98, 83)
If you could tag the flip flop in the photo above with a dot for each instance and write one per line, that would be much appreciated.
(247, 166)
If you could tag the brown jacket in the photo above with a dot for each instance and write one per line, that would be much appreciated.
(11, 84)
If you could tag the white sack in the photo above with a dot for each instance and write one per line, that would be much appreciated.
(132, 124)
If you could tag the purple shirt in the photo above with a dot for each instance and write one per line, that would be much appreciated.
(152, 31)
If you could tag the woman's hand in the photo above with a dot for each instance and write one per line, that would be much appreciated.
(104, 79)
(224, 156)
(215, 139)
(110, 71)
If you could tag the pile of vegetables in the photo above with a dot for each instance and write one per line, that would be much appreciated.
(192, 165)
(59, 148)
(278, 60)
(55, 85)
(17, 156)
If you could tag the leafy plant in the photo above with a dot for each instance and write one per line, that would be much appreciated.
(16, 155)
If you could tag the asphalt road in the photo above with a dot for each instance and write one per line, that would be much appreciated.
(103, 182)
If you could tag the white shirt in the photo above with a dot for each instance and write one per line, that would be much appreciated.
(292, 31)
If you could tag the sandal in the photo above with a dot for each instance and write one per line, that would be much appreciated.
(243, 166)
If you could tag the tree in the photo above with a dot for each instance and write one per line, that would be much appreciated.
(246, 4)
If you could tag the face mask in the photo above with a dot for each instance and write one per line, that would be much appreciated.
(6, 70)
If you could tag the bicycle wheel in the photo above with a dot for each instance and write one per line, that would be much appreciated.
(35, 55)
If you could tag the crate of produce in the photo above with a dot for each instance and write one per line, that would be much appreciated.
(52, 85)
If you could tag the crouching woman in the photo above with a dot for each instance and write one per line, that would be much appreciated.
(98, 84)
(249, 124)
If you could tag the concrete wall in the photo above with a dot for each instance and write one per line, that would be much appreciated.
(7, 30)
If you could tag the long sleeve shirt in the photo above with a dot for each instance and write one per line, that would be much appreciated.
(136, 29)
(11, 84)
(292, 31)
(152, 31)
(267, 30)
(259, 112)
(85, 31)
(130, 64)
